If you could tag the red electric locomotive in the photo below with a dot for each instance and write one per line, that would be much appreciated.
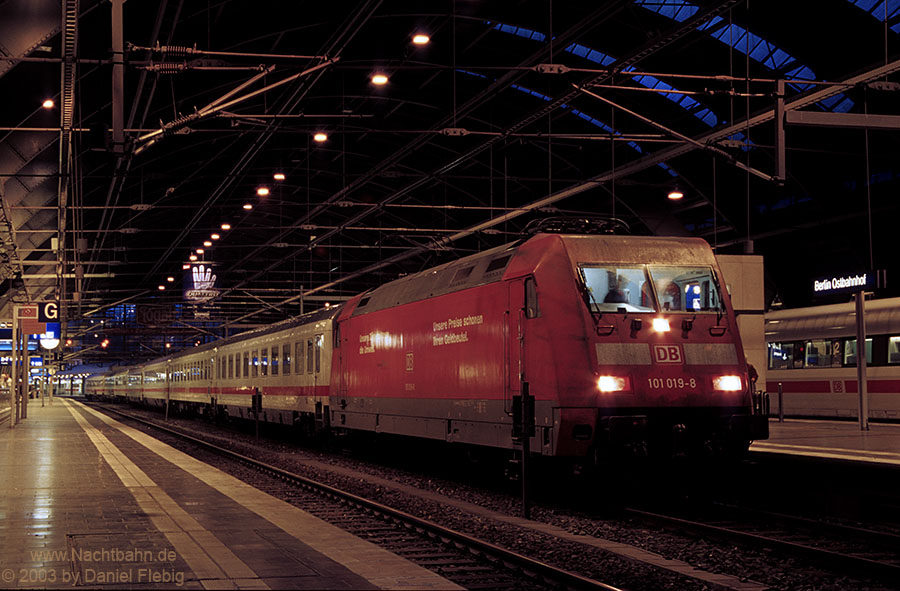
(624, 342)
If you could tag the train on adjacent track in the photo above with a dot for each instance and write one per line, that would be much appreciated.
(627, 344)
(812, 358)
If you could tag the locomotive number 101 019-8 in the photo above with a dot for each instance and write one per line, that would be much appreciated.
(670, 383)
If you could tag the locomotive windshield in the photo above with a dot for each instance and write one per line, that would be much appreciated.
(613, 288)
(686, 289)
(643, 288)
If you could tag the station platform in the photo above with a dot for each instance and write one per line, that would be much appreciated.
(842, 440)
(86, 501)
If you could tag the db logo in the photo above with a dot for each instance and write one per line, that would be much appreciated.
(667, 354)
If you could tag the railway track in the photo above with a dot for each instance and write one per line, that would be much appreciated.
(463, 559)
(856, 550)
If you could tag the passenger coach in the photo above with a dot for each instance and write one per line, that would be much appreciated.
(812, 355)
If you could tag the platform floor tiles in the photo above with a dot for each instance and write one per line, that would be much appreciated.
(843, 440)
(86, 501)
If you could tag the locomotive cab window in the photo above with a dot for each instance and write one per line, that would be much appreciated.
(618, 289)
(686, 289)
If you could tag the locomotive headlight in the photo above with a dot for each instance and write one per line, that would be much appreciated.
(660, 325)
(610, 384)
(727, 383)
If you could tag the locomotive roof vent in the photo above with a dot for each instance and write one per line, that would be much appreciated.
(576, 225)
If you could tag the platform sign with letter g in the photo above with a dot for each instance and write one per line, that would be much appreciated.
(48, 312)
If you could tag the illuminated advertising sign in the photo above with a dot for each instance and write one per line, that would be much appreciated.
(200, 283)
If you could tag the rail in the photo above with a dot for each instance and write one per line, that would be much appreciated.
(535, 569)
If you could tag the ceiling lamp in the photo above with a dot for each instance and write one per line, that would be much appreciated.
(200, 251)
(675, 194)
(215, 236)
(278, 176)
(262, 191)
(193, 257)
(320, 137)
(379, 79)
(186, 266)
(170, 279)
(248, 206)
(48, 104)
(226, 227)
(421, 39)
(162, 288)
(207, 243)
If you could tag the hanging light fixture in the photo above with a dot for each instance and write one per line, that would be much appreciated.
(675, 193)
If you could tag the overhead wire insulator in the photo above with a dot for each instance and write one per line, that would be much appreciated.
(177, 50)
(167, 68)
(176, 125)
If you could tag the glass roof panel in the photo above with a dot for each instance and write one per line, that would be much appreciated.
(740, 39)
(880, 10)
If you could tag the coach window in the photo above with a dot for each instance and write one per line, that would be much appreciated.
(781, 355)
(893, 350)
(286, 359)
(246, 365)
(298, 357)
(254, 364)
(264, 362)
(320, 340)
(818, 353)
(309, 355)
(230, 361)
(275, 360)
(850, 351)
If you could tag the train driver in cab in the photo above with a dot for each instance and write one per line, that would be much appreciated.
(616, 293)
